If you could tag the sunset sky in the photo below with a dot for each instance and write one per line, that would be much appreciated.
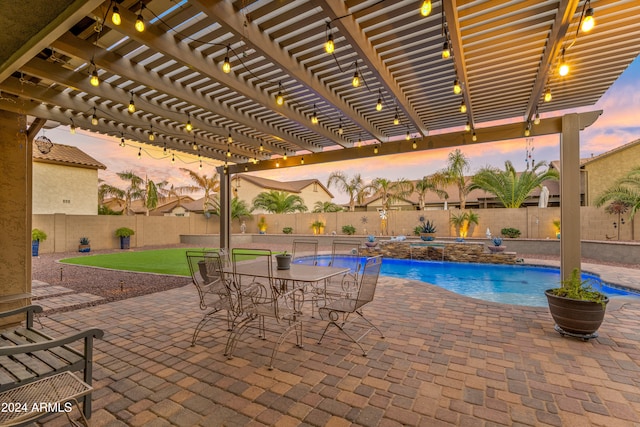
(618, 125)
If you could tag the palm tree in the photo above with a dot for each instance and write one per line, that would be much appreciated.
(391, 191)
(627, 191)
(433, 183)
(455, 173)
(209, 185)
(354, 187)
(319, 207)
(511, 188)
(135, 191)
(279, 202)
(239, 209)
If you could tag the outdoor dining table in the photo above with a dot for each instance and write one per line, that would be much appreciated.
(298, 273)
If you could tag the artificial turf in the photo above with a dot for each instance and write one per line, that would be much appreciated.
(162, 261)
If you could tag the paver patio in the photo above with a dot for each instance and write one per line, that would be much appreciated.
(446, 360)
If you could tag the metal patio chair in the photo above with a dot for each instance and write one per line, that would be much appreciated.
(305, 251)
(264, 301)
(207, 273)
(338, 311)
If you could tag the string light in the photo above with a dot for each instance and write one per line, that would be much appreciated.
(95, 80)
(122, 144)
(277, 164)
(456, 87)
(474, 137)
(379, 104)
(425, 9)
(226, 65)
(246, 168)
(152, 137)
(115, 16)
(564, 67)
(588, 22)
(302, 160)
(375, 149)
(396, 118)
(72, 128)
(536, 121)
(527, 130)
(340, 129)
(229, 138)
(195, 144)
(355, 82)
(200, 167)
(94, 118)
(547, 95)
(285, 156)
(279, 96)
(140, 152)
(463, 107)
(467, 127)
(329, 46)
(132, 105)
(188, 126)
(414, 144)
(164, 150)
(173, 158)
(261, 147)
(446, 52)
(407, 136)
(140, 20)
(228, 152)
(314, 117)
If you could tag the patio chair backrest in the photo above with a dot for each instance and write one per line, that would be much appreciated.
(261, 259)
(305, 251)
(207, 275)
(368, 280)
(346, 253)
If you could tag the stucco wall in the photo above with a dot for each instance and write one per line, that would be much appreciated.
(247, 191)
(64, 189)
(603, 172)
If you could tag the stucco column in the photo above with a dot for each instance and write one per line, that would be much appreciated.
(15, 210)
(570, 251)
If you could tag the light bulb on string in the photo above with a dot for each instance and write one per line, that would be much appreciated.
(340, 129)
(527, 130)
(261, 147)
(200, 167)
(425, 9)
(456, 87)
(467, 126)
(355, 82)
(302, 160)
(188, 126)
(285, 156)
(122, 144)
(463, 107)
(407, 136)
(115, 16)
(95, 80)
(314, 117)
(280, 98)
(329, 45)
(94, 118)
(588, 22)
(226, 65)
(173, 158)
(229, 138)
(194, 145)
(547, 95)
(72, 128)
(563, 70)
(140, 152)
(228, 151)
(379, 103)
(536, 121)
(474, 137)
(139, 25)
(152, 136)
(164, 150)
(396, 118)
(446, 52)
(375, 149)
(132, 105)
(414, 145)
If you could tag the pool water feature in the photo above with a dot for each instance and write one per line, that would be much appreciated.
(509, 284)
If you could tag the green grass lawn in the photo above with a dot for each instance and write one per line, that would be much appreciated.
(163, 261)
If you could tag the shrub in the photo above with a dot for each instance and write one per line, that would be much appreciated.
(510, 232)
(287, 230)
(39, 235)
(348, 229)
(84, 240)
(427, 226)
(124, 232)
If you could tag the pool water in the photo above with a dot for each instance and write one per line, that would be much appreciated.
(510, 284)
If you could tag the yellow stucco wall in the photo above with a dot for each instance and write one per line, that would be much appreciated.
(64, 189)
(603, 172)
(247, 191)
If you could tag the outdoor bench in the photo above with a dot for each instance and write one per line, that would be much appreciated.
(33, 364)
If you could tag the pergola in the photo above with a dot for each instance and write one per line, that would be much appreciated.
(250, 84)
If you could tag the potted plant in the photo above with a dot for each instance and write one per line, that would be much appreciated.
(576, 307)
(349, 230)
(37, 236)
(556, 225)
(497, 245)
(283, 261)
(125, 234)
(427, 229)
(287, 230)
(84, 245)
(262, 225)
(317, 227)
(371, 241)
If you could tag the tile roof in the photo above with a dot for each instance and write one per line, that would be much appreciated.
(67, 155)
(289, 186)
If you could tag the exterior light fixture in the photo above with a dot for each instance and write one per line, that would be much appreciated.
(467, 126)
(536, 121)
(587, 21)
(547, 95)
(446, 52)
(463, 107)
(226, 65)
(94, 118)
(456, 87)
(188, 126)
(115, 16)
(132, 105)
(140, 20)
(329, 46)
(564, 67)
(425, 9)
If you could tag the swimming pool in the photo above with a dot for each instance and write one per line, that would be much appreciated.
(510, 284)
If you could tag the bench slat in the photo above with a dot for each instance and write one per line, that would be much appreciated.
(15, 368)
(65, 353)
(49, 358)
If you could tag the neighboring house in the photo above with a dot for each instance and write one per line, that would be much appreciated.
(65, 180)
(602, 171)
(247, 187)
(170, 206)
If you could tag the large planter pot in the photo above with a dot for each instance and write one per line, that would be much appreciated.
(84, 248)
(283, 261)
(427, 237)
(35, 247)
(576, 318)
(125, 242)
(370, 244)
(495, 249)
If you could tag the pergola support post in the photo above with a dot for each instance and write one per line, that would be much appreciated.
(570, 249)
(225, 209)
